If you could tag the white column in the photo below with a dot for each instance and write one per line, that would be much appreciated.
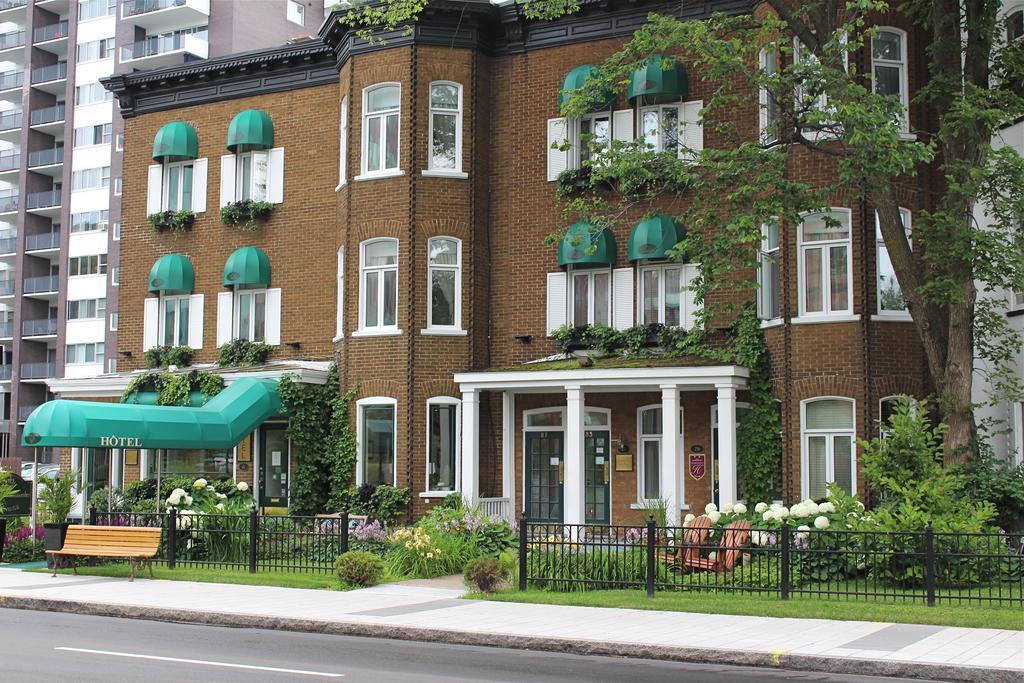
(573, 484)
(508, 450)
(726, 445)
(670, 455)
(471, 446)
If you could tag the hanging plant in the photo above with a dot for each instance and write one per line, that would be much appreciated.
(243, 353)
(163, 356)
(174, 389)
(172, 221)
(244, 214)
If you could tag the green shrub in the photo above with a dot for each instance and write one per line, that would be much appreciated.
(162, 356)
(383, 503)
(565, 569)
(421, 554)
(138, 491)
(357, 568)
(484, 574)
(243, 353)
(453, 501)
(174, 221)
(490, 534)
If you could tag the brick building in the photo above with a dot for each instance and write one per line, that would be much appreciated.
(413, 184)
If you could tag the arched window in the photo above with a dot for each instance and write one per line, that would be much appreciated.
(378, 300)
(889, 66)
(382, 108)
(827, 446)
(824, 268)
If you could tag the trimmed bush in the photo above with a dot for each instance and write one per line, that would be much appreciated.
(358, 568)
(484, 574)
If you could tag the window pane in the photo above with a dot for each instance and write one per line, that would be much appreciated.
(444, 96)
(887, 45)
(378, 444)
(890, 296)
(772, 235)
(887, 80)
(443, 151)
(168, 339)
(650, 294)
(650, 421)
(652, 469)
(245, 177)
(441, 465)
(370, 298)
(672, 295)
(373, 144)
(442, 301)
(259, 317)
(444, 252)
(602, 287)
(814, 227)
(380, 99)
(830, 414)
(173, 181)
(244, 315)
(259, 176)
(817, 447)
(551, 418)
(770, 286)
(842, 455)
(670, 129)
(649, 128)
(813, 295)
(580, 299)
(186, 187)
(391, 153)
(839, 279)
(182, 321)
(390, 297)
(382, 253)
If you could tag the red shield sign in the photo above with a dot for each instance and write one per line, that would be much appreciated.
(698, 465)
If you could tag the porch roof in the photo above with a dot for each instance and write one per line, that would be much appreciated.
(607, 374)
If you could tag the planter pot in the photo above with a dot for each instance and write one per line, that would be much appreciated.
(53, 539)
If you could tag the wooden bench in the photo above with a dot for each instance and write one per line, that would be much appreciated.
(138, 545)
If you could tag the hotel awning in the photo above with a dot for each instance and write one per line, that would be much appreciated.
(584, 246)
(655, 83)
(575, 80)
(172, 274)
(222, 423)
(176, 141)
(654, 238)
(249, 267)
(250, 129)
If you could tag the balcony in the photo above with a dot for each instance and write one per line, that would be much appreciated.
(7, 5)
(51, 79)
(8, 245)
(6, 287)
(11, 40)
(165, 15)
(49, 120)
(5, 373)
(36, 371)
(44, 327)
(25, 411)
(6, 329)
(47, 240)
(10, 161)
(159, 51)
(44, 284)
(10, 120)
(9, 80)
(47, 157)
(8, 201)
(51, 32)
(36, 201)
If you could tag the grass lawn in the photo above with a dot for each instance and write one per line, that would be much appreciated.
(1007, 617)
(320, 580)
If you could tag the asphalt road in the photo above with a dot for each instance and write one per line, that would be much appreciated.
(43, 646)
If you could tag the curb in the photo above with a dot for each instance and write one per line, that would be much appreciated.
(777, 660)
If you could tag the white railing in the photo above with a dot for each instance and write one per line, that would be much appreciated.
(499, 507)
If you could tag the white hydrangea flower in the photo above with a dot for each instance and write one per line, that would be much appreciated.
(775, 506)
(798, 510)
(200, 483)
(728, 508)
(711, 556)
(221, 496)
(760, 508)
(709, 508)
(219, 506)
(768, 515)
(174, 499)
(821, 522)
(755, 538)
(188, 500)
(740, 509)
(688, 518)
(812, 508)
(714, 516)
(179, 491)
(826, 507)
(782, 513)
(803, 527)
(242, 486)
(210, 487)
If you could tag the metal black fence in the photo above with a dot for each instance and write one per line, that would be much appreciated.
(923, 567)
(250, 542)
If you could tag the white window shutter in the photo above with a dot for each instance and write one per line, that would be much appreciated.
(273, 330)
(558, 160)
(693, 130)
(199, 185)
(558, 304)
(150, 323)
(275, 175)
(339, 330)
(622, 125)
(622, 298)
(195, 321)
(227, 179)
(154, 189)
(224, 317)
(690, 308)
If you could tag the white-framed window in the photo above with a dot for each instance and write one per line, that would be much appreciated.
(119, 142)
(91, 93)
(343, 143)
(296, 13)
(94, 9)
(827, 437)
(339, 330)
(250, 315)
(173, 321)
(87, 309)
(378, 277)
(77, 354)
(115, 277)
(445, 152)
(825, 272)
(1014, 23)
(444, 268)
(113, 321)
(768, 108)
(375, 435)
(111, 365)
(1016, 301)
(90, 221)
(649, 443)
(666, 296)
(117, 232)
(86, 136)
(443, 430)
(177, 186)
(592, 135)
(590, 297)
(94, 50)
(769, 282)
(95, 264)
(117, 187)
(887, 408)
(251, 172)
(90, 178)
(890, 295)
(889, 67)
(811, 95)
(659, 127)
(381, 117)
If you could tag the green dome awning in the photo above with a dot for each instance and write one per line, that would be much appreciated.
(583, 245)
(176, 141)
(250, 129)
(657, 84)
(654, 237)
(600, 101)
(247, 267)
(172, 273)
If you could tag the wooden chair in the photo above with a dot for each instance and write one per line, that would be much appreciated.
(735, 537)
(138, 545)
(695, 535)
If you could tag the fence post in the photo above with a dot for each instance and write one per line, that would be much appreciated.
(253, 522)
(343, 543)
(652, 530)
(3, 536)
(929, 564)
(522, 552)
(784, 569)
(172, 536)
(93, 514)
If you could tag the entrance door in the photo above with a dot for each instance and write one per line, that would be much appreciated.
(545, 452)
(597, 469)
(273, 466)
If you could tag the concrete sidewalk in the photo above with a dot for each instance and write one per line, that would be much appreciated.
(418, 612)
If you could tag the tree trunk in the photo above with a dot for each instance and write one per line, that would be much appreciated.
(955, 395)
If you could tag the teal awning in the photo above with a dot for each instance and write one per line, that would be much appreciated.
(172, 273)
(247, 267)
(655, 83)
(600, 101)
(176, 141)
(584, 245)
(250, 129)
(654, 237)
(222, 423)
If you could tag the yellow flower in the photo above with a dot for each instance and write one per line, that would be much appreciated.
(430, 556)
(408, 544)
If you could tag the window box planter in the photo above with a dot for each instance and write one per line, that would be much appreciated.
(246, 214)
(163, 356)
(577, 180)
(173, 221)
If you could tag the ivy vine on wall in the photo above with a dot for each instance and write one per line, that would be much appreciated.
(174, 389)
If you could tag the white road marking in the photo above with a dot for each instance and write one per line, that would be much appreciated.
(201, 662)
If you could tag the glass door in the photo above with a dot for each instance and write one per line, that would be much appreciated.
(544, 475)
(274, 468)
(597, 469)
